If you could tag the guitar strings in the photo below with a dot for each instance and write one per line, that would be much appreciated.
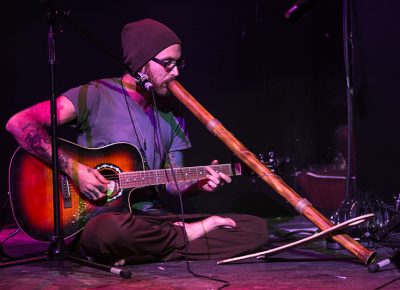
(190, 172)
(163, 176)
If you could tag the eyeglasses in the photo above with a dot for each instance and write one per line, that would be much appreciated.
(170, 64)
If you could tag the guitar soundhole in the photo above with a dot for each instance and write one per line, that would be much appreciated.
(111, 173)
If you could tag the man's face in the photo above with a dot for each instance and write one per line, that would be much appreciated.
(160, 76)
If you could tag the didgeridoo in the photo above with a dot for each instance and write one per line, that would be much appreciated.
(301, 204)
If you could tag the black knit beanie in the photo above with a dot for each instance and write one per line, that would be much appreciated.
(144, 39)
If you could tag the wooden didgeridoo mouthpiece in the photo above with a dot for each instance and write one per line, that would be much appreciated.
(302, 205)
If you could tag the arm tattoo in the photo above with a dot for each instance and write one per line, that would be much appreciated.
(37, 142)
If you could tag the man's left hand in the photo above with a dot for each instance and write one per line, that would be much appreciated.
(214, 179)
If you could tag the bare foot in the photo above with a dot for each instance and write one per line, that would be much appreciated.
(198, 229)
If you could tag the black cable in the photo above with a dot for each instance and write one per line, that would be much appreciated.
(142, 150)
(226, 283)
(3, 254)
(347, 10)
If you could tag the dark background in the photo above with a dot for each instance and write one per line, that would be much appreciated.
(276, 85)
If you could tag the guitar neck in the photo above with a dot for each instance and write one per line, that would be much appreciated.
(162, 176)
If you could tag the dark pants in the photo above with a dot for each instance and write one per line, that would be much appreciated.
(139, 239)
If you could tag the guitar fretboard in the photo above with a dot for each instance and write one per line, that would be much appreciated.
(163, 176)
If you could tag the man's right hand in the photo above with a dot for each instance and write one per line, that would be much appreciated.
(90, 182)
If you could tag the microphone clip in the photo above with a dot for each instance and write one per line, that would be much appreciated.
(142, 80)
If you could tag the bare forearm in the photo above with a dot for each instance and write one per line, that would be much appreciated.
(175, 160)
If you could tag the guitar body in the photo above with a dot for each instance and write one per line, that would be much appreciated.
(31, 189)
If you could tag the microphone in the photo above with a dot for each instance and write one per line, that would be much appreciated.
(143, 81)
(298, 9)
(377, 266)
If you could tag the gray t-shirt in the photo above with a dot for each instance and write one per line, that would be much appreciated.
(103, 118)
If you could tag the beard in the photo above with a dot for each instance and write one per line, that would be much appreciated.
(160, 88)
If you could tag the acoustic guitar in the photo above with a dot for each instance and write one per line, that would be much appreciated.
(31, 187)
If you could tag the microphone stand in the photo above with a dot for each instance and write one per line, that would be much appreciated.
(57, 250)
(355, 202)
(57, 245)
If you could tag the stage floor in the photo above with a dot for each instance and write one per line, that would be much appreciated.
(309, 267)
